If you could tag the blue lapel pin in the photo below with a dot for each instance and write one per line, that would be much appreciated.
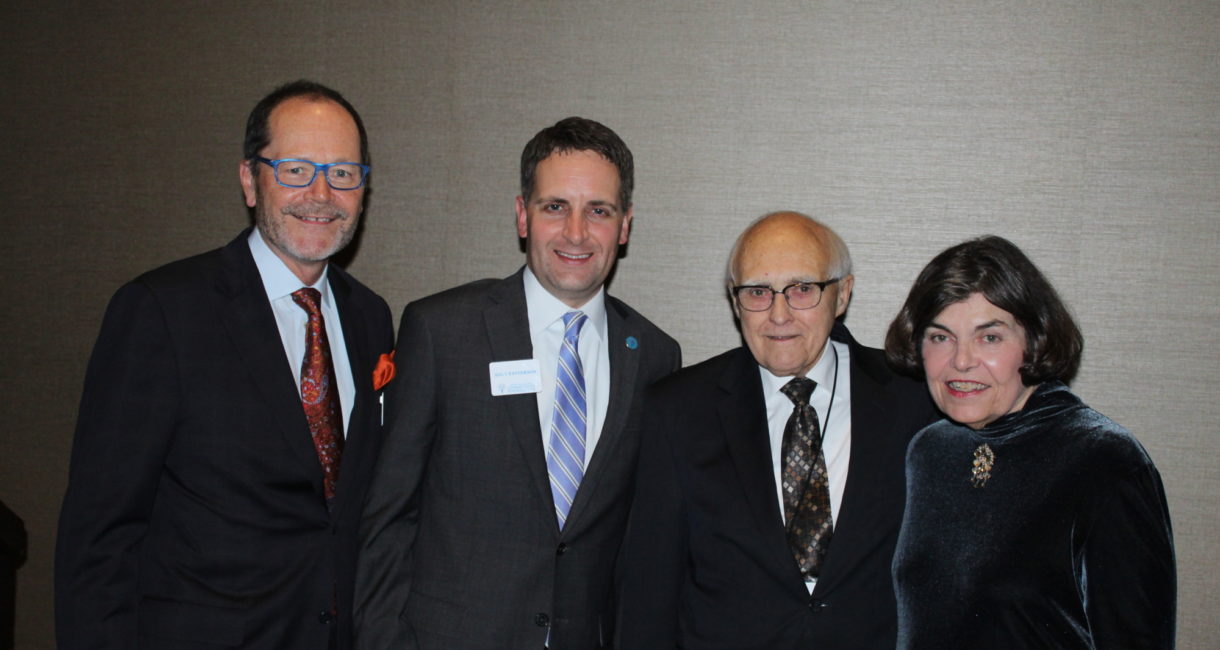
(632, 343)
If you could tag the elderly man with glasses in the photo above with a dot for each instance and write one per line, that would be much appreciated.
(770, 483)
(230, 416)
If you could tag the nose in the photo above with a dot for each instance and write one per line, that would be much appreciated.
(963, 357)
(780, 312)
(575, 229)
(319, 190)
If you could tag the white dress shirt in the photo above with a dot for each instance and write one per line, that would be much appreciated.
(546, 334)
(279, 282)
(834, 420)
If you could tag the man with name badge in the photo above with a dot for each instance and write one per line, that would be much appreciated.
(499, 503)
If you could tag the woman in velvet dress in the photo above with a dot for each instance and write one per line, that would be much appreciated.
(1032, 521)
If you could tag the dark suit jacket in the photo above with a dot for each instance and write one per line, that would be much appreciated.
(461, 547)
(194, 516)
(705, 562)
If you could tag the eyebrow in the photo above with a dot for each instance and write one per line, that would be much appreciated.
(602, 203)
(558, 199)
(989, 324)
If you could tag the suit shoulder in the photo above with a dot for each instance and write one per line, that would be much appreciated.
(360, 291)
(872, 361)
(638, 320)
(697, 377)
(197, 270)
(469, 296)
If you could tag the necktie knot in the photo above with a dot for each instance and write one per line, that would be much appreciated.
(573, 321)
(309, 299)
(799, 389)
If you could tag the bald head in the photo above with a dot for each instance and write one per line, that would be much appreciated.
(785, 230)
(778, 251)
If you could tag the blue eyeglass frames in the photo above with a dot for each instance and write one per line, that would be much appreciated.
(298, 172)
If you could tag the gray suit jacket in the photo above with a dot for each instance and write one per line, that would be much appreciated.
(460, 547)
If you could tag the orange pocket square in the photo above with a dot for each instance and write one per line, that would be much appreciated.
(384, 371)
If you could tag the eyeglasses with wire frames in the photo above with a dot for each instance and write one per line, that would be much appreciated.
(298, 172)
(800, 295)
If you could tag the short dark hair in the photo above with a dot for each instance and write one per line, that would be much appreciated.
(258, 133)
(579, 134)
(996, 268)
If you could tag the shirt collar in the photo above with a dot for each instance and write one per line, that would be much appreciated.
(821, 372)
(278, 280)
(544, 309)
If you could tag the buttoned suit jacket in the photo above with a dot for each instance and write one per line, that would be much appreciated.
(461, 547)
(194, 515)
(706, 563)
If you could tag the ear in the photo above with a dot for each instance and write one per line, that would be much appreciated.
(248, 182)
(523, 229)
(845, 287)
(626, 230)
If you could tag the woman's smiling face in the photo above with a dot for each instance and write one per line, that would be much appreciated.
(972, 356)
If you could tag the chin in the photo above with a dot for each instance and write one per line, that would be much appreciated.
(972, 420)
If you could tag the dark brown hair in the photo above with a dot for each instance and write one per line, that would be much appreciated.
(258, 133)
(996, 268)
(579, 134)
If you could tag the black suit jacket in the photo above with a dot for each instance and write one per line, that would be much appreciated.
(705, 562)
(461, 547)
(194, 515)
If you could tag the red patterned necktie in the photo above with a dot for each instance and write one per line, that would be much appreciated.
(806, 484)
(320, 391)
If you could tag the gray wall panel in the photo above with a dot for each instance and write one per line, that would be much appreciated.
(1086, 131)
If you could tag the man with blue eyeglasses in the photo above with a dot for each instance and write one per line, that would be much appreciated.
(230, 416)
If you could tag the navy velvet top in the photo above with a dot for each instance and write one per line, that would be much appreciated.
(1065, 544)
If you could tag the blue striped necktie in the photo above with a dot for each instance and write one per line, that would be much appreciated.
(565, 456)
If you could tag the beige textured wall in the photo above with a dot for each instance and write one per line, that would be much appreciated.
(1086, 131)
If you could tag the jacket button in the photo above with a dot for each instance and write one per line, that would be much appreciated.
(563, 548)
(542, 620)
(816, 605)
(326, 618)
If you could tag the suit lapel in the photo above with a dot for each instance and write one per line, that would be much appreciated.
(869, 419)
(508, 337)
(624, 368)
(743, 420)
(356, 435)
(247, 317)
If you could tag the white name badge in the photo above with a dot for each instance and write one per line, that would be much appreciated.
(515, 377)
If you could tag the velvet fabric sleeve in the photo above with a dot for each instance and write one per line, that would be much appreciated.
(1128, 565)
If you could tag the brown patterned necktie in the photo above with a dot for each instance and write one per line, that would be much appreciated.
(320, 391)
(806, 484)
